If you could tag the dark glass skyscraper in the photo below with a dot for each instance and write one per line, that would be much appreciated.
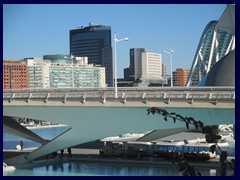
(135, 69)
(94, 41)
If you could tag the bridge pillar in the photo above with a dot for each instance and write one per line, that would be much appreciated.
(46, 100)
(84, 98)
(65, 98)
(13, 95)
(104, 98)
(29, 97)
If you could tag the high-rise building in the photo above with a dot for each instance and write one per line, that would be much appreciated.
(151, 68)
(180, 76)
(217, 40)
(145, 66)
(135, 69)
(15, 75)
(164, 71)
(94, 42)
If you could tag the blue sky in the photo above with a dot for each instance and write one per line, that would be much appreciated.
(35, 30)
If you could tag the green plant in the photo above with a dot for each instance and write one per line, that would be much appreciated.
(210, 136)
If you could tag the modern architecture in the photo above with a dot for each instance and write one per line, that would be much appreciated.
(217, 40)
(151, 67)
(134, 71)
(222, 73)
(63, 71)
(145, 66)
(94, 42)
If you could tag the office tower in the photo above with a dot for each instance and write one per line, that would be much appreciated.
(145, 66)
(94, 42)
(151, 67)
(15, 75)
(135, 69)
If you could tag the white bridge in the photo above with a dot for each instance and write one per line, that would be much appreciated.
(165, 94)
(96, 113)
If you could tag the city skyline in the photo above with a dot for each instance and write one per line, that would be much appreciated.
(37, 30)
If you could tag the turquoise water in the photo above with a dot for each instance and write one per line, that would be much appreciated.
(91, 169)
(11, 141)
(104, 169)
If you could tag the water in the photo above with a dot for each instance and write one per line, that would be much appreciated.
(11, 141)
(230, 149)
(92, 169)
(104, 169)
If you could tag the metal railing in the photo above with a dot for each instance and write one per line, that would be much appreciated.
(159, 94)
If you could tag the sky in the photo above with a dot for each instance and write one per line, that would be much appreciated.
(34, 30)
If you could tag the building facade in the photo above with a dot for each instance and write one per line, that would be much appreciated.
(164, 71)
(180, 76)
(134, 71)
(135, 68)
(94, 42)
(38, 73)
(217, 40)
(146, 67)
(151, 67)
(15, 75)
(63, 71)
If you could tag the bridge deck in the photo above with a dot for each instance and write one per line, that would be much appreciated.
(167, 95)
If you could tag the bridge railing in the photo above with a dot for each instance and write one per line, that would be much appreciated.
(176, 94)
(110, 89)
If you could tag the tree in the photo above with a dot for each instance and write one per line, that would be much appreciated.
(210, 136)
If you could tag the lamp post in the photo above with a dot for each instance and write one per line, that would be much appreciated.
(170, 53)
(115, 60)
(72, 71)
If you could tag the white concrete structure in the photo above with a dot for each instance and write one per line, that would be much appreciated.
(151, 67)
(82, 61)
(93, 118)
(217, 40)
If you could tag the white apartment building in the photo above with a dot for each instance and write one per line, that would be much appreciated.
(38, 73)
(78, 76)
(64, 72)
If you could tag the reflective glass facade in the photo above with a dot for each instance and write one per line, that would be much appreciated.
(59, 73)
(64, 76)
(135, 69)
(94, 42)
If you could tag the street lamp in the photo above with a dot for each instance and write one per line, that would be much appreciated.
(72, 70)
(115, 60)
(170, 53)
